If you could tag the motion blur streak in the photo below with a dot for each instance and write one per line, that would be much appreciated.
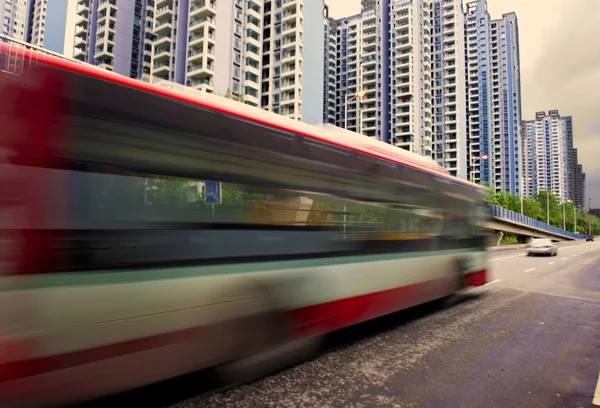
(146, 233)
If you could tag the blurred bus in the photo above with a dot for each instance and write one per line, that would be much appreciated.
(146, 233)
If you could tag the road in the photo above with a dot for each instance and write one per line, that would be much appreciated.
(530, 338)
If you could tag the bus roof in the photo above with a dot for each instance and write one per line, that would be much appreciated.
(338, 137)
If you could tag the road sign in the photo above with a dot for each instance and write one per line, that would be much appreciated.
(213, 192)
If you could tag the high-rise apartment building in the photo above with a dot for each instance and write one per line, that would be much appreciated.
(494, 98)
(210, 46)
(350, 73)
(329, 68)
(546, 166)
(116, 36)
(448, 84)
(46, 24)
(38, 22)
(577, 195)
(14, 16)
(384, 82)
(292, 76)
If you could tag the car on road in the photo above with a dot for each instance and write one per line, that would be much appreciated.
(589, 239)
(542, 246)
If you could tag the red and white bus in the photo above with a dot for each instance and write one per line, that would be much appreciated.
(116, 270)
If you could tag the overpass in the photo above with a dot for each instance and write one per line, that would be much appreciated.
(504, 222)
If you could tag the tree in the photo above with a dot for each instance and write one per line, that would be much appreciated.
(536, 207)
(229, 95)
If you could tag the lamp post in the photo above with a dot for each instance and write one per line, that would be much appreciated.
(548, 207)
(589, 217)
(523, 195)
(574, 218)
(485, 157)
(565, 214)
(346, 100)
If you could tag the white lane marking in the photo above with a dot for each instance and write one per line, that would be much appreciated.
(574, 255)
(507, 257)
(564, 259)
(550, 263)
(596, 400)
(530, 270)
(492, 282)
(581, 253)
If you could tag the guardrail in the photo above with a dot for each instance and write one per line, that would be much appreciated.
(512, 216)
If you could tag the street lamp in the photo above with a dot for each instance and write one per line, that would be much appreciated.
(346, 100)
(589, 217)
(485, 157)
(548, 206)
(523, 195)
(565, 214)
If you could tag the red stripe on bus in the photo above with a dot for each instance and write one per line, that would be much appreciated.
(478, 278)
(28, 368)
(331, 316)
(136, 84)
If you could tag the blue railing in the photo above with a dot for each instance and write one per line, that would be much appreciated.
(508, 215)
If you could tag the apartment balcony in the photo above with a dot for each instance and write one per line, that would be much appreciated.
(200, 71)
(163, 27)
(288, 85)
(369, 80)
(80, 43)
(369, 51)
(198, 25)
(368, 108)
(104, 53)
(369, 125)
(369, 18)
(79, 54)
(164, 13)
(163, 3)
(81, 21)
(288, 29)
(161, 69)
(403, 46)
(195, 55)
(289, 100)
(83, 10)
(80, 32)
(106, 65)
(370, 61)
(287, 56)
(403, 103)
(288, 72)
(288, 16)
(162, 54)
(201, 9)
(163, 41)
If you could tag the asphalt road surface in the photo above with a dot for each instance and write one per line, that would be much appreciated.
(530, 338)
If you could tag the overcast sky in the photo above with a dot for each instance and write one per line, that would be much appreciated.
(560, 66)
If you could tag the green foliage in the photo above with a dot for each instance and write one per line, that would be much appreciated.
(536, 207)
(229, 95)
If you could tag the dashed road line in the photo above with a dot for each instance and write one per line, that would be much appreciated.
(596, 400)
(530, 270)
(492, 282)
(564, 259)
(551, 263)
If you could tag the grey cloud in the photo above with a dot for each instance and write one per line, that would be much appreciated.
(566, 77)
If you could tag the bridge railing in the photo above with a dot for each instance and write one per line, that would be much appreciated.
(508, 215)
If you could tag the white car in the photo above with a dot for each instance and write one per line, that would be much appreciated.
(542, 246)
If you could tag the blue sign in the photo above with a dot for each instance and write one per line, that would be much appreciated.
(212, 191)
